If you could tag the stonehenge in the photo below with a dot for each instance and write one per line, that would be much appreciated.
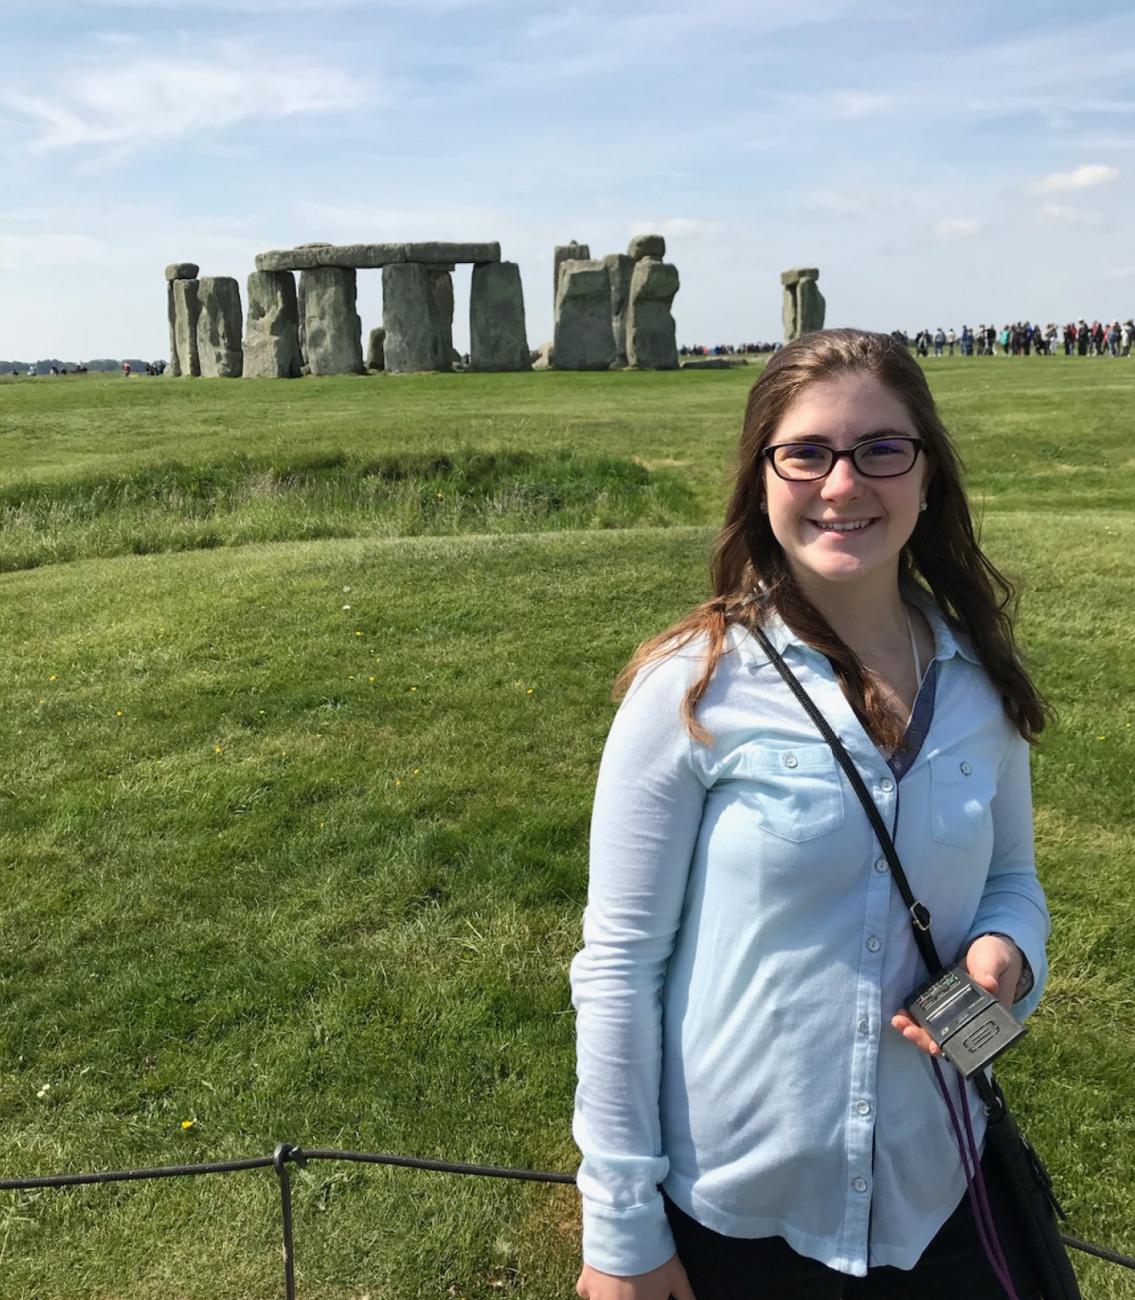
(651, 342)
(498, 338)
(803, 309)
(584, 338)
(271, 332)
(610, 312)
(220, 354)
(332, 331)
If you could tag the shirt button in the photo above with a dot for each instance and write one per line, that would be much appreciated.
(863, 1107)
(860, 1184)
(886, 785)
(873, 944)
(790, 760)
(864, 1026)
(880, 864)
(966, 768)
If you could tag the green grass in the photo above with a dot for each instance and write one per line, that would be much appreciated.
(248, 885)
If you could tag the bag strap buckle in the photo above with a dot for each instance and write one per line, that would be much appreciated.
(919, 916)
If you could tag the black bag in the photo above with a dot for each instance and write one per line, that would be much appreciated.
(1028, 1187)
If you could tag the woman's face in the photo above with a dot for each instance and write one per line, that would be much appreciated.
(840, 413)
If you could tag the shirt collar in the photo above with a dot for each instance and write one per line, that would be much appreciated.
(948, 640)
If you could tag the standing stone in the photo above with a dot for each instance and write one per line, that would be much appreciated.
(572, 252)
(803, 308)
(651, 342)
(271, 332)
(376, 359)
(332, 342)
(441, 283)
(218, 327)
(646, 246)
(498, 340)
(171, 312)
(620, 266)
(584, 338)
(409, 314)
(809, 305)
(186, 309)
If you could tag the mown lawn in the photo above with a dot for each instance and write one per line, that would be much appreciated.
(293, 818)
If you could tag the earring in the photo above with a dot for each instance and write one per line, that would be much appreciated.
(921, 507)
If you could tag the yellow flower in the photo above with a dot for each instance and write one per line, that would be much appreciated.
(1101, 737)
(417, 771)
(188, 1123)
(413, 688)
(531, 689)
(41, 700)
(54, 677)
(357, 633)
(120, 713)
(372, 679)
(397, 780)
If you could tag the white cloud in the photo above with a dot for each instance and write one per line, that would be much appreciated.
(1081, 178)
(957, 228)
(123, 104)
(1067, 214)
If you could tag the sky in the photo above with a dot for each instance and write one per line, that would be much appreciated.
(964, 162)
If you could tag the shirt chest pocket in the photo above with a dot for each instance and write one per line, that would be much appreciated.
(961, 791)
(796, 792)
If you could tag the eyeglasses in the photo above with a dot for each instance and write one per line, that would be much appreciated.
(874, 458)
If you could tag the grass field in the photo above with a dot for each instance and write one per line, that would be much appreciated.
(305, 686)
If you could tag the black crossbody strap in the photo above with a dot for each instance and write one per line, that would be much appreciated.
(919, 913)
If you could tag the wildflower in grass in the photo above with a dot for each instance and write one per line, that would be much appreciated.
(188, 1123)
(44, 1090)
(372, 680)
(417, 771)
(357, 632)
(397, 780)
(346, 589)
(413, 688)
(346, 608)
(41, 700)
(217, 749)
(120, 713)
(531, 690)
(54, 677)
(1101, 737)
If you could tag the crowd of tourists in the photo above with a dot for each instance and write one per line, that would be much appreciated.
(1077, 338)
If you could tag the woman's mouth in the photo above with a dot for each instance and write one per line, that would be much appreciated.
(843, 526)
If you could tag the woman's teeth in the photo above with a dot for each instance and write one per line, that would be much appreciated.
(843, 528)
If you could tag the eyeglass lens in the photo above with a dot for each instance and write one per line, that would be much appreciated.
(879, 458)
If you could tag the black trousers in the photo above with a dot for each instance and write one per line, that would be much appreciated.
(953, 1266)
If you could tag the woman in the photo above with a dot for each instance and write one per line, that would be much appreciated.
(741, 1033)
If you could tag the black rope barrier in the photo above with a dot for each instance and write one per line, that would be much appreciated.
(285, 1154)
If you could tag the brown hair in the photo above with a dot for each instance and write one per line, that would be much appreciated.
(751, 578)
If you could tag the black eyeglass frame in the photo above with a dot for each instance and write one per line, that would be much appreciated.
(769, 453)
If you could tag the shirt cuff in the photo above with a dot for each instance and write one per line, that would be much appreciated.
(626, 1242)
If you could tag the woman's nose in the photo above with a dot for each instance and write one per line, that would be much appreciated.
(842, 480)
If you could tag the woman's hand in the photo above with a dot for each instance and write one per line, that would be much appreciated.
(659, 1284)
(993, 962)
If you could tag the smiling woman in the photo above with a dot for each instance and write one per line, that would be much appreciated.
(755, 1107)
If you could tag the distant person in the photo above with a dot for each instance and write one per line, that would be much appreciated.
(126, 369)
(951, 340)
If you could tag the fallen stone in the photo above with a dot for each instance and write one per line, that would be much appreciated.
(186, 310)
(376, 340)
(572, 252)
(219, 348)
(651, 342)
(545, 356)
(620, 266)
(332, 332)
(646, 246)
(271, 329)
(441, 283)
(584, 337)
(497, 336)
(409, 314)
(182, 271)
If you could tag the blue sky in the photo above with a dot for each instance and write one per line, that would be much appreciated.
(964, 162)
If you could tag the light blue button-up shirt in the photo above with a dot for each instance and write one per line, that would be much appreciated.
(745, 949)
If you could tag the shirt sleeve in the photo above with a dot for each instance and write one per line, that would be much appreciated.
(648, 806)
(1013, 902)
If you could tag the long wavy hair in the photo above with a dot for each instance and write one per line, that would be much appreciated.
(751, 577)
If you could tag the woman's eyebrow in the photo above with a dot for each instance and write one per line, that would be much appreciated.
(826, 440)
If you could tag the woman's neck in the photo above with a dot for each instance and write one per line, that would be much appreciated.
(867, 617)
